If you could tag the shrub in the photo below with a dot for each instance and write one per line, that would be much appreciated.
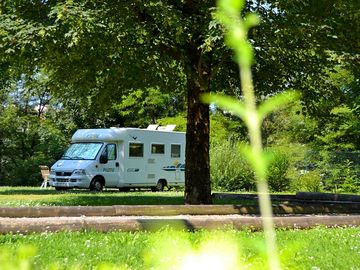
(340, 170)
(307, 181)
(229, 170)
(349, 179)
(277, 171)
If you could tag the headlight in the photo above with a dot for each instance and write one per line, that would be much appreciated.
(79, 172)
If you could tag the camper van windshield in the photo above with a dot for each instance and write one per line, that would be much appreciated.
(82, 151)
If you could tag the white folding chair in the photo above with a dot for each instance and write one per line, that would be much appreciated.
(45, 175)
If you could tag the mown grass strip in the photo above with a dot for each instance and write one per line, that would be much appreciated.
(34, 197)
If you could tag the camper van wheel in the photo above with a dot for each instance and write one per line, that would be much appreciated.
(97, 184)
(160, 185)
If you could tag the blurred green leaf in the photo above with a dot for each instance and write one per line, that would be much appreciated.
(227, 103)
(231, 6)
(251, 20)
(276, 102)
(258, 160)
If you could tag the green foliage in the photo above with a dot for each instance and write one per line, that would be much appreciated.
(27, 139)
(179, 121)
(93, 53)
(219, 130)
(342, 130)
(229, 170)
(237, 28)
(310, 181)
(24, 150)
(277, 171)
(232, 172)
(138, 48)
(340, 174)
(293, 132)
(253, 120)
(289, 125)
(143, 107)
(351, 181)
(226, 127)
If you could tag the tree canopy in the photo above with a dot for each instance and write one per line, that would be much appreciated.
(100, 56)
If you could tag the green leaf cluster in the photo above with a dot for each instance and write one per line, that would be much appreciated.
(143, 107)
(342, 132)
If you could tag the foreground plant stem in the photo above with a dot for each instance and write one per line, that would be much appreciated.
(236, 36)
(254, 128)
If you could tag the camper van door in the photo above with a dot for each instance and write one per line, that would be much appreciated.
(109, 165)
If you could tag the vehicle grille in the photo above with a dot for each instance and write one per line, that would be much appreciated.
(63, 173)
(61, 180)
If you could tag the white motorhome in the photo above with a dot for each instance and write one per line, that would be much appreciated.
(122, 158)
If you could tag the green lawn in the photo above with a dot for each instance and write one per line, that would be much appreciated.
(27, 196)
(319, 248)
(34, 196)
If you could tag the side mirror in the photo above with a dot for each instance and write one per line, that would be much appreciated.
(103, 159)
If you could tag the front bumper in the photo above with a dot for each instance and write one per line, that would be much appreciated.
(82, 181)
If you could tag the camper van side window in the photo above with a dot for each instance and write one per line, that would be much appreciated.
(111, 151)
(136, 150)
(175, 150)
(157, 148)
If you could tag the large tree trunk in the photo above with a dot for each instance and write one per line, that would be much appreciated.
(197, 174)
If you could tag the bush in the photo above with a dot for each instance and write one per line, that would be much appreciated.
(229, 170)
(340, 170)
(23, 156)
(277, 171)
(347, 178)
(307, 181)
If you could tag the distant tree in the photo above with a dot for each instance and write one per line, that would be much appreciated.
(143, 107)
(29, 136)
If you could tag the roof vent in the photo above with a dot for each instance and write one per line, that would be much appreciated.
(161, 128)
(170, 127)
(152, 127)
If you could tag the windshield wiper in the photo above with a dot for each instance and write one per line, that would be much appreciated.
(65, 157)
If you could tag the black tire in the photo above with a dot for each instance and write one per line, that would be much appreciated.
(160, 185)
(97, 184)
